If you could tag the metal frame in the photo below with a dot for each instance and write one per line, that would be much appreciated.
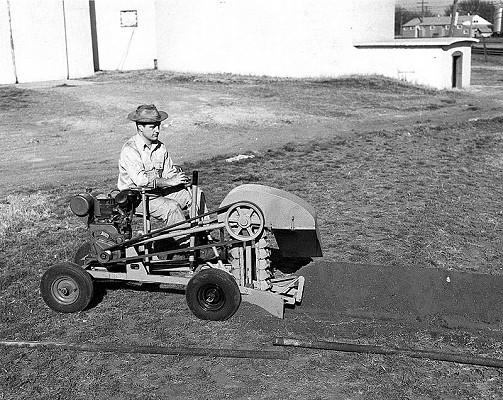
(145, 266)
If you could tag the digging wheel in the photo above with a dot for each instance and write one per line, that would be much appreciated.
(66, 287)
(244, 221)
(213, 294)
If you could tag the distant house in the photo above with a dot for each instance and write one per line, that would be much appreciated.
(432, 27)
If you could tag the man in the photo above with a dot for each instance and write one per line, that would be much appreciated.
(144, 162)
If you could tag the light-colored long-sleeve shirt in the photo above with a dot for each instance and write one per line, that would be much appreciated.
(139, 165)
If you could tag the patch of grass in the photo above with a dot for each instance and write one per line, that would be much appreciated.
(13, 98)
(418, 198)
(21, 214)
(479, 60)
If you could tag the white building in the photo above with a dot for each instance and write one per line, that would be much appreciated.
(58, 39)
(463, 26)
(44, 40)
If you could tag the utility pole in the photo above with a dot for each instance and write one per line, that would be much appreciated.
(401, 22)
(453, 18)
(424, 7)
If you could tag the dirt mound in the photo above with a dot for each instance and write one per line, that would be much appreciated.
(430, 296)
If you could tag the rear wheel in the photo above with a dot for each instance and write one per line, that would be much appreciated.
(66, 287)
(213, 294)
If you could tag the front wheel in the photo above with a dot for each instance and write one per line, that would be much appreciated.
(213, 294)
(67, 288)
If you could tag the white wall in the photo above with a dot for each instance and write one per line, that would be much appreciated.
(289, 38)
(298, 38)
(293, 38)
(372, 20)
(39, 40)
(78, 33)
(414, 65)
(126, 48)
(426, 62)
(40, 37)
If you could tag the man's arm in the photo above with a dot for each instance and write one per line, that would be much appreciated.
(172, 175)
(179, 178)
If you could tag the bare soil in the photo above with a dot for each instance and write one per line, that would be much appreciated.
(407, 184)
(72, 131)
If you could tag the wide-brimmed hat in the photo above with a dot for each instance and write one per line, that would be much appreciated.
(147, 114)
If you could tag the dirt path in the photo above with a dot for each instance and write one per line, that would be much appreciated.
(72, 131)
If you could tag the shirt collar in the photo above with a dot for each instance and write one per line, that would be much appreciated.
(141, 143)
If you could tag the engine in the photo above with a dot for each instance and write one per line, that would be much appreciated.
(108, 219)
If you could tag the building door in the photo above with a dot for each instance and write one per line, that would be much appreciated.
(457, 70)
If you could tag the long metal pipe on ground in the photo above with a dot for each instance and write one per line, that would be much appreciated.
(165, 350)
(360, 348)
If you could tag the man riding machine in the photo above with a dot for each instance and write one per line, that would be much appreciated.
(220, 257)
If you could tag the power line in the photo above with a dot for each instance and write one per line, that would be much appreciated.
(434, 6)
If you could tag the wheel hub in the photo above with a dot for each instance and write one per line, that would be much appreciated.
(65, 290)
(244, 221)
(211, 297)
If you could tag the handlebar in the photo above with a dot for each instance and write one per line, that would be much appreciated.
(148, 190)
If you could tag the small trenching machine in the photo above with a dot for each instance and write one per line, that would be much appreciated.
(217, 273)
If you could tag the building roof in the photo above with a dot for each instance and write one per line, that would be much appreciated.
(413, 22)
(462, 19)
(444, 42)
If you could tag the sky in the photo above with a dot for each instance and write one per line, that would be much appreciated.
(435, 6)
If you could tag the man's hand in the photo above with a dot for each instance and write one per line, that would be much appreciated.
(177, 179)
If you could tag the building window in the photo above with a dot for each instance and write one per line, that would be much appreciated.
(129, 19)
(465, 31)
(459, 26)
(411, 28)
(432, 27)
(447, 27)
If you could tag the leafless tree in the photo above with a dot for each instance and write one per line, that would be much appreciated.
(481, 8)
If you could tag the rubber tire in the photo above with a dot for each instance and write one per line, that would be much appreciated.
(82, 251)
(213, 282)
(67, 275)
